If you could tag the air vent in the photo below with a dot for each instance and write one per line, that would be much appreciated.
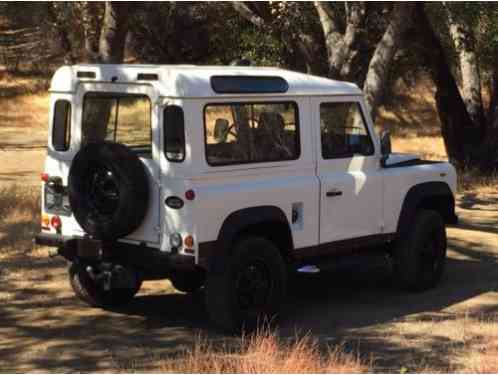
(85, 75)
(147, 77)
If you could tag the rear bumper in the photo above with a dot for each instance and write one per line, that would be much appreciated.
(51, 240)
(146, 258)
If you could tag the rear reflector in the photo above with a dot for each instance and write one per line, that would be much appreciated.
(189, 241)
(44, 177)
(190, 195)
(56, 222)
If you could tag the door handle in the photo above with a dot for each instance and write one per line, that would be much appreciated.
(334, 193)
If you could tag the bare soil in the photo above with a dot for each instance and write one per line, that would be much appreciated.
(43, 327)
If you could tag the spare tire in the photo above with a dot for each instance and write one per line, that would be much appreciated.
(108, 190)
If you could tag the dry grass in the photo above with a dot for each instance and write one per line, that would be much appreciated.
(264, 352)
(14, 85)
(473, 181)
(473, 346)
(482, 360)
(467, 344)
(19, 218)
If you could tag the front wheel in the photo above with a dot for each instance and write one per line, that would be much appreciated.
(420, 256)
(251, 289)
(87, 289)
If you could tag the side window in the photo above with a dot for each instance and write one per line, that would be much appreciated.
(343, 131)
(61, 131)
(174, 133)
(239, 133)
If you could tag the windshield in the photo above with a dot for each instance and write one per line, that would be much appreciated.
(118, 118)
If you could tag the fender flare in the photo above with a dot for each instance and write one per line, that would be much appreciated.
(415, 197)
(213, 255)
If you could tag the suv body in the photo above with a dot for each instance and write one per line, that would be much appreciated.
(231, 153)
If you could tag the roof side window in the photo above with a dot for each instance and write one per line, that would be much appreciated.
(174, 133)
(239, 133)
(61, 131)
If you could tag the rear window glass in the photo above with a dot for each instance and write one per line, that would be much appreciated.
(123, 119)
(241, 133)
(61, 132)
(174, 133)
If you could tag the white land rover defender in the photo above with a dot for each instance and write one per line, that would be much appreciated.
(229, 179)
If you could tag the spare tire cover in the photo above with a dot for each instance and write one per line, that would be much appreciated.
(108, 190)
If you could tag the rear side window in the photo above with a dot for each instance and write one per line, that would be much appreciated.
(343, 131)
(174, 133)
(61, 131)
(240, 133)
(118, 118)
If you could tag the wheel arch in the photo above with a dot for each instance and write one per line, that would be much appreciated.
(266, 221)
(433, 195)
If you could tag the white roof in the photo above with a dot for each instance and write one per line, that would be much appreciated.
(194, 81)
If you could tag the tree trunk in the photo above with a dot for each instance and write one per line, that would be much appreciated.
(341, 47)
(378, 69)
(461, 35)
(91, 30)
(113, 35)
(62, 33)
(461, 136)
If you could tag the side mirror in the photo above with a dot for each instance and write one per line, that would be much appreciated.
(385, 146)
(221, 129)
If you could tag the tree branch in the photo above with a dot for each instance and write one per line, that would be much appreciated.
(248, 14)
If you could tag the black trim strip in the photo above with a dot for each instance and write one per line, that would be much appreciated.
(411, 163)
(210, 249)
(343, 246)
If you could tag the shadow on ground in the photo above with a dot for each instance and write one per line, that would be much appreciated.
(44, 328)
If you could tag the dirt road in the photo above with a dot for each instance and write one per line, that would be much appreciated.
(44, 328)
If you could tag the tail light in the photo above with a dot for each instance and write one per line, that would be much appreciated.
(56, 223)
(44, 177)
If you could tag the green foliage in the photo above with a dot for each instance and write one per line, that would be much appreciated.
(198, 33)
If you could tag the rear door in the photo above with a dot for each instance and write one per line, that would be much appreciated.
(132, 119)
(349, 170)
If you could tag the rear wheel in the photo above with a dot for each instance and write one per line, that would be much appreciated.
(93, 293)
(251, 289)
(419, 257)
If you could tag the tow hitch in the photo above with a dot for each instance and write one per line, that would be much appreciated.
(112, 276)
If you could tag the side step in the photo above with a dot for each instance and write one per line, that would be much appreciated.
(362, 261)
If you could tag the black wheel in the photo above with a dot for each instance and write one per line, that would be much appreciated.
(420, 257)
(94, 294)
(108, 190)
(188, 281)
(251, 289)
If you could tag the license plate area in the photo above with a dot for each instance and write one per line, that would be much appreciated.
(89, 249)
